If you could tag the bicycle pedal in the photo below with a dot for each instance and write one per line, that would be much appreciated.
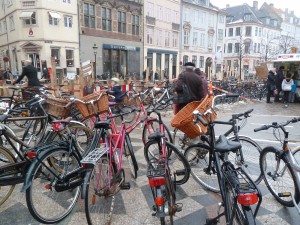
(179, 207)
(125, 186)
(284, 194)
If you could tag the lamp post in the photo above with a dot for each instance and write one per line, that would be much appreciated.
(95, 48)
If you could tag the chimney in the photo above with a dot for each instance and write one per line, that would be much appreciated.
(255, 4)
(271, 4)
(227, 6)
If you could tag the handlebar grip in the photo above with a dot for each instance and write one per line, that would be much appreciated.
(232, 95)
(202, 120)
(264, 127)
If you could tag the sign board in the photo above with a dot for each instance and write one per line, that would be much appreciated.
(262, 71)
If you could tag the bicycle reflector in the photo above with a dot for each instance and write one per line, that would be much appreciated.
(247, 199)
(31, 155)
(159, 201)
(157, 181)
(58, 126)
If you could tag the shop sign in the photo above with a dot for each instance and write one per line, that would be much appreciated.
(120, 47)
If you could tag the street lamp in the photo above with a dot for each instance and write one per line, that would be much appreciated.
(95, 48)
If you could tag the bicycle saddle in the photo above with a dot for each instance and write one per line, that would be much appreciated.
(66, 120)
(102, 124)
(224, 145)
(156, 135)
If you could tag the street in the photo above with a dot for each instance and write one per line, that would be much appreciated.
(134, 206)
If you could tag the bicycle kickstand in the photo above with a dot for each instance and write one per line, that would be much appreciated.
(214, 221)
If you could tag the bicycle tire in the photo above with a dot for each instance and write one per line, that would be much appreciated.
(198, 157)
(6, 158)
(176, 160)
(24, 113)
(34, 132)
(5, 143)
(150, 127)
(129, 153)
(130, 117)
(251, 152)
(101, 207)
(170, 196)
(181, 140)
(287, 180)
(41, 201)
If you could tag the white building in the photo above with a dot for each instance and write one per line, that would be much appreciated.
(202, 36)
(161, 38)
(39, 30)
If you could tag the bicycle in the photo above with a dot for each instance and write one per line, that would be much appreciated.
(237, 189)
(280, 167)
(165, 164)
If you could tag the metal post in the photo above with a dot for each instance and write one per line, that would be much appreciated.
(95, 47)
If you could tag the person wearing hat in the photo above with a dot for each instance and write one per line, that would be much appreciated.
(116, 90)
(194, 84)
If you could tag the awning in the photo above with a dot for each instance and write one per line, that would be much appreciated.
(54, 15)
(26, 15)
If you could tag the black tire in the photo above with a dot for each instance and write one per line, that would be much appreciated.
(6, 158)
(129, 152)
(20, 110)
(47, 205)
(171, 198)
(197, 156)
(176, 160)
(251, 152)
(34, 132)
(283, 181)
(150, 127)
(99, 206)
(130, 117)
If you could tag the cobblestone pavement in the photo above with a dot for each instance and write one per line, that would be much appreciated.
(134, 206)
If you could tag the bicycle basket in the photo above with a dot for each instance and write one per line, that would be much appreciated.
(29, 92)
(183, 120)
(56, 107)
(101, 106)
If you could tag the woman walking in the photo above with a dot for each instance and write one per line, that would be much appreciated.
(271, 85)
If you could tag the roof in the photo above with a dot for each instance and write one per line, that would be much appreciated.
(237, 13)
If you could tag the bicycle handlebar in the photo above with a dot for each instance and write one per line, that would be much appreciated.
(276, 125)
(198, 116)
(244, 114)
(72, 100)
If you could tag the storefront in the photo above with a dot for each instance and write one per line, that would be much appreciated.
(121, 60)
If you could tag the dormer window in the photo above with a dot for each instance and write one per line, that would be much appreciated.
(247, 17)
(267, 20)
(275, 23)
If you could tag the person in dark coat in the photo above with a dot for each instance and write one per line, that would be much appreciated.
(204, 81)
(278, 80)
(271, 85)
(193, 82)
(31, 73)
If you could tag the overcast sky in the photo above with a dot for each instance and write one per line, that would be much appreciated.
(281, 4)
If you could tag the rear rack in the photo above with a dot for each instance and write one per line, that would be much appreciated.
(156, 168)
(95, 155)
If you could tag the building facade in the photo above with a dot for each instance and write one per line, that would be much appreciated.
(115, 28)
(39, 30)
(202, 36)
(161, 38)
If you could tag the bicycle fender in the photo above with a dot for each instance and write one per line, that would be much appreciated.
(86, 181)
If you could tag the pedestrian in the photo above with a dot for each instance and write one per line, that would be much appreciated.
(45, 74)
(31, 73)
(271, 85)
(188, 87)
(204, 81)
(278, 80)
(286, 86)
(115, 90)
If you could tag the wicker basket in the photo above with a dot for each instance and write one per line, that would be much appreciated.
(128, 100)
(56, 107)
(183, 120)
(29, 92)
(101, 106)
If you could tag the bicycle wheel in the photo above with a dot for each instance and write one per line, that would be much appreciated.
(20, 110)
(46, 204)
(130, 117)
(98, 200)
(150, 127)
(34, 132)
(6, 158)
(251, 152)
(176, 160)
(129, 153)
(278, 176)
(5, 143)
(198, 157)
(181, 140)
(170, 197)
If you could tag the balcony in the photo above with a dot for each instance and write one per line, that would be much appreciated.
(150, 20)
(175, 26)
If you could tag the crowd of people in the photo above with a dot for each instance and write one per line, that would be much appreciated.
(281, 86)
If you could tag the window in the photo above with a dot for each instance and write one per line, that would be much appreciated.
(121, 22)
(267, 20)
(68, 21)
(168, 15)
(247, 47)
(185, 59)
(89, 15)
(149, 9)
(230, 32)
(254, 48)
(194, 60)
(67, 1)
(11, 23)
(211, 20)
(236, 47)
(53, 18)
(150, 36)
(175, 39)
(210, 41)
(70, 58)
(186, 38)
(237, 31)
(167, 39)
(55, 53)
(31, 20)
(28, 3)
(220, 34)
(248, 31)
(160, 12)
(195, 37)
(247, 17)
(259, 32)
(106, 19)
(229, 48)
(159, 38)
(201, 62)
(221, 19)
(202, 40)
(135, 21)
(175, 17)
